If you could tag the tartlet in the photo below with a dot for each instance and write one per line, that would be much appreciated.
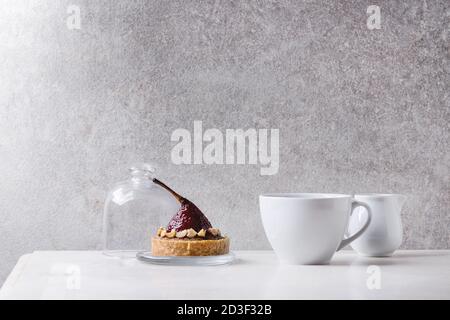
(185, 246)
(189, 233)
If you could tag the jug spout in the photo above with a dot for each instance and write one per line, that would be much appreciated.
(401, 199)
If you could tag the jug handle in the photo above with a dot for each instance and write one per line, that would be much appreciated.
(348, 240)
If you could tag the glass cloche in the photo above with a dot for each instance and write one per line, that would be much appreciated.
(134, 209)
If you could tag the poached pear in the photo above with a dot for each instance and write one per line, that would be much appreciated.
(188, 216)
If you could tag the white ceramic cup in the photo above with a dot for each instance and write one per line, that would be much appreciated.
(308, 228)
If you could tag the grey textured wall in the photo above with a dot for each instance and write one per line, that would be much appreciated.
(358, 110)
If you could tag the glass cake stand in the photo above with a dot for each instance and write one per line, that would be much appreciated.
(146, 256)
(134, 209)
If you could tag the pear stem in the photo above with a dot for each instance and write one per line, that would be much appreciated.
(176, 195)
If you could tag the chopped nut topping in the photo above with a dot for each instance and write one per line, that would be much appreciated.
(191, 233)
(214, 231)
(171, 234)
(182, 234)
(202, 233)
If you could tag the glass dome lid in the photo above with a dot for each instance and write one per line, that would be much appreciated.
(133, 211)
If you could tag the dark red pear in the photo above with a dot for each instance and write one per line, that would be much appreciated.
(188, 216)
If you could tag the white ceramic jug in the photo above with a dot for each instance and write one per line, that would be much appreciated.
(385, 233)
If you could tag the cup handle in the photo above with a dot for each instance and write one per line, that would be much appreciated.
(348, 240)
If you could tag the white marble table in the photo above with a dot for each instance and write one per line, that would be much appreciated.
(255, 275)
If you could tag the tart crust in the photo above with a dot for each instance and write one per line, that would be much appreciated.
(190, 247)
